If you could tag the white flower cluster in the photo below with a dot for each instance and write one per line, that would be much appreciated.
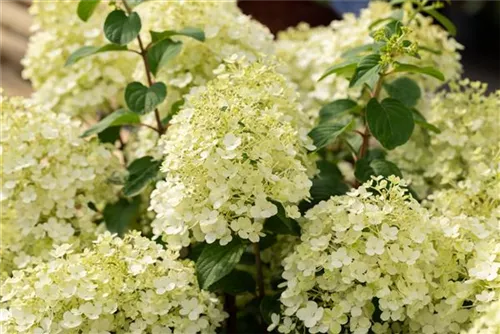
(467, 270)
(377, 260)
(130, 285)
(309, 52)
(228, 32)
(466, 273)
(234, 146)
(465, 151)
(489, 322)
(49, 175)
(82, 89)
(369, 247)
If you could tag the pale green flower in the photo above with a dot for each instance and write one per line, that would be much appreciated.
(94, 84)
(228, 32)
(375, 243)
(489, 322)
(466, 150)
(236, 144)
(49, 176)
(130, 285)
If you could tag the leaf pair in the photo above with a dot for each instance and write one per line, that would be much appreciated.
(142, 99)
(327, 132)
(163, 48)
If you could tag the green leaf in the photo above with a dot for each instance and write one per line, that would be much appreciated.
(86, 8)
(376, 153)
(431, 71)
(366, 168)
(405, 90)
(395, 15)
(325, 133)
(110, 135)
(268, 306)
(280, 223)
(421, 121)
(336, 109)
(431, 50)
(328, 169)
(329, 182)
(379, 21)
(92, 50)
(120, 28)
(120, 215)
(344, 68)
(237, 282)
(367, 71)
(216, 261)
(396, 2)
(324, 187)
(118, 117)
(372, 47)
(161, 52)
(393, 28)
(390, 122)
(141, 99)
(195, 33)
(443, 20)
(141, 172)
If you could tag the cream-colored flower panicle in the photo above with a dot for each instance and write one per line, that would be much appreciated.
(370, 248)
(309, 52)
(466, 150)
(488, 323)
(467, 270)
(49, 176)
(227, 31)
(130, 285)
(92, 85)
(233, 147)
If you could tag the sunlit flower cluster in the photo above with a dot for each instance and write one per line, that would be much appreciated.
(227, 31)
(489, 322)
(49, 176)
(465, 151)
(92, 85)
(233, 147)
(466, 273)
(130, 285)
(467, 270)
(370, 248)
(309, 52)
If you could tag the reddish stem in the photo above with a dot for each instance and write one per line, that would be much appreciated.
(143, 53)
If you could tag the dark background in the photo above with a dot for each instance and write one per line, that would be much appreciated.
(478, 27)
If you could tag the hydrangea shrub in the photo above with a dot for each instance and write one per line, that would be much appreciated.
(118, 285)
(49, 177)
(177, 170)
